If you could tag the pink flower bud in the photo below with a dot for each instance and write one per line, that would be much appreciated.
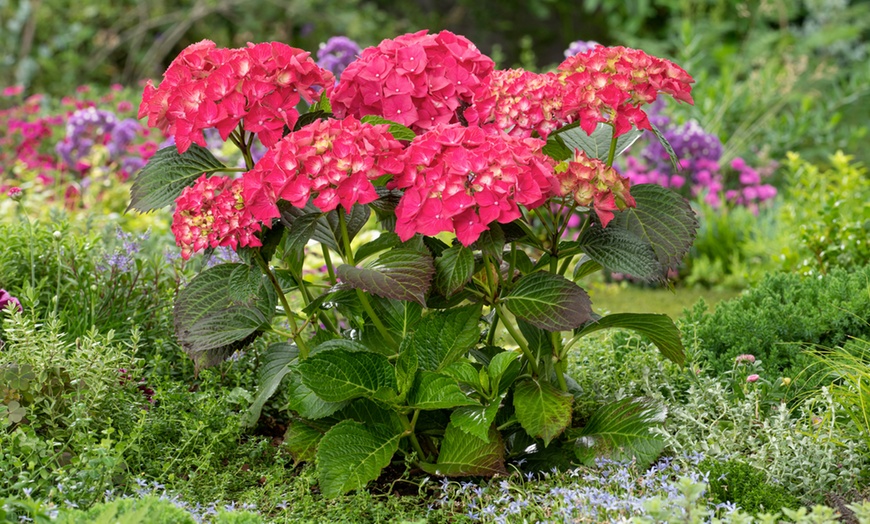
(752, 378)
(744, 358)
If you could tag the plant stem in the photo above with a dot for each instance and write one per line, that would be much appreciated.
(409, 431)
(612, 153)
(348, 257)
(560, 366)
(327, 259)
(300, 342)
(521, 342)
(490, 337)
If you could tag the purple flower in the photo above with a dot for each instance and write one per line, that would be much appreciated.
(337, 53)
(6, 299)
(580, 46)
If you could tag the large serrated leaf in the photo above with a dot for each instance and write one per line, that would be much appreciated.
(541, 409)
(166, 175)
(274, 365)
(453, 269)
(621, 431)
(370, 412)
(302, 439)
(463, 455)
(396, 129)
(476, 420)
(336, 375)
(660, 329)
(597, 145)
(327, 228)
(503, 370)
(664, 219)
(213, 317)
(549, 302)
(401, 274)
(352, 454)
(442, 337)
(622, 251)
(436, 391)
(303, 401)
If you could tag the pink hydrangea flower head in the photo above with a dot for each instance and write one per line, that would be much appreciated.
(752, 378)
(331, 161)
(460, 179)
(744, 358)
(213, 213)
(610, 84)
(206, 86)
(593, 184)
(519, 102)
(418, 80)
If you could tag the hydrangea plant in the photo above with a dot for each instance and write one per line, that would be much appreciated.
(445, 338)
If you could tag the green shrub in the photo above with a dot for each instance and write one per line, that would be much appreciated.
(774, 320)
(739, 483)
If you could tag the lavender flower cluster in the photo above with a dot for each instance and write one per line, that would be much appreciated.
(702, 174)
(90, 126)
(122, 259)
(580, 46)
(337, 53)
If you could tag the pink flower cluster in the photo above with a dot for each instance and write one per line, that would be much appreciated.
(610, 84)
(459, 179)
(593, 184)
(418, 80)
(519, 102)
(213, 213)
(333, 161)
(207, 87)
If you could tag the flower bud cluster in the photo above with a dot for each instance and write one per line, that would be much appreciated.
(593, 184)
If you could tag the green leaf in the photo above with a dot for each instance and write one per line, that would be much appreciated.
(476, 420)
(406, 366)
(597, 145)
(622, 251)
(355, 220)
(300, 231)
(662, 218)
(585, 267)
(491, 242)
(549, 302)
(302, 439)
(384, 242)
(462, 371)
(464, 455)
(310, 117)
(166, 175)
(400, 274)
(672, 155)
(274, 365)
(244, 282)
(542, 410)
(304, 402)
(352, 454)
(370, 412)
(322, 104)
(621, 431)
(660, 329)
(385, 206)
(503, 370)
(442, 337)
(437, 391)
(215, 316)
(453, 269)
(398, 131)
(556, 149)
(337, 374)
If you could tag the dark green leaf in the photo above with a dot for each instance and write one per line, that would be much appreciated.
(400, 274)
(398, 131)
(166, 175)
(585, 267)
(352, 454)
(662, 218)
(442, 337)
(453, 269)
(274, 365)
(337, 374)
(672, 155)
(300, 231)
(385, 206)
(659, 328)
(462, 371)
(621, 431)
(556, 149)
(476, 420)
(622, 251)
(463, 455)
(304, 402)
(437, 391)
(382, 243)
(406, 366)
(491, 242)
(542, 410)
(370, 412)
(302, 439)
(549, 302)
(503, 370)
(598, 144)
(244, 282)
(311, 117)
(356, 219)
(323, 231)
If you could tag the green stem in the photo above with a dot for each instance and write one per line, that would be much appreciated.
(327, 259)
(300, 342)
(556, 340)
(409, 432)
(518, 338)
(612, 153)
(348, 257)
(490, 337)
